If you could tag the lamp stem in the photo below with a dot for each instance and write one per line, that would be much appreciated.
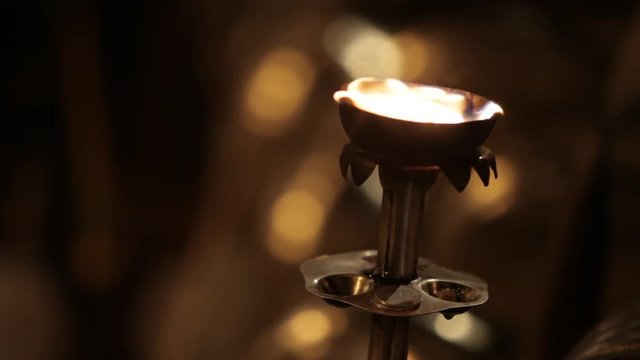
(402, 209)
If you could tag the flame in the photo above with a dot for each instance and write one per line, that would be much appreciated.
(488, 110)
(410, 102)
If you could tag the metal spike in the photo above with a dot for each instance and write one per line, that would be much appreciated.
(487, 160)
(458, 174)
(483, 171)
(361, 170)
(494, 167)
(344, 164)
(347, 157)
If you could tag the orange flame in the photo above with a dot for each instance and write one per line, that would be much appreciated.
(411, 102)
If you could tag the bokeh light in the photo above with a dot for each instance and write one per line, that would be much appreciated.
(308, 327)
(363, 49)
(308, 330)
(277, 90)
(465, 330)
(413, 355)
(415, 55)
(297, 218)
(299, 214)
(453, 330)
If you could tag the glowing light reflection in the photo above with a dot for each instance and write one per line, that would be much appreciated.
(277, 90)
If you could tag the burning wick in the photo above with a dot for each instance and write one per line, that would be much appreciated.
(395, 99)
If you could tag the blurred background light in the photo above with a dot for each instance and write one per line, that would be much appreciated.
(299, 214)
(465, 330)
(414, 53)
(297, 218)
(453, 330)
(307, 331)
(362, 49)
(307, 327)
(412, 355)
(277, 90)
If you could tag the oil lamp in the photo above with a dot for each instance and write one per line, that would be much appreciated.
(412, 132)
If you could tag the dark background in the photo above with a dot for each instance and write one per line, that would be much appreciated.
(166, 165)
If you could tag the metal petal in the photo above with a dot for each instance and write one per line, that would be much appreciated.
(484, 163)
(483, 171)
(361, 170)
(361, 166)
(458, 173)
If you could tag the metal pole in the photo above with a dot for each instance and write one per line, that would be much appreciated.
(402, 209)
(389, 339)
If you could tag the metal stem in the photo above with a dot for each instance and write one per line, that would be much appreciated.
(402, 209)
(389, 339)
